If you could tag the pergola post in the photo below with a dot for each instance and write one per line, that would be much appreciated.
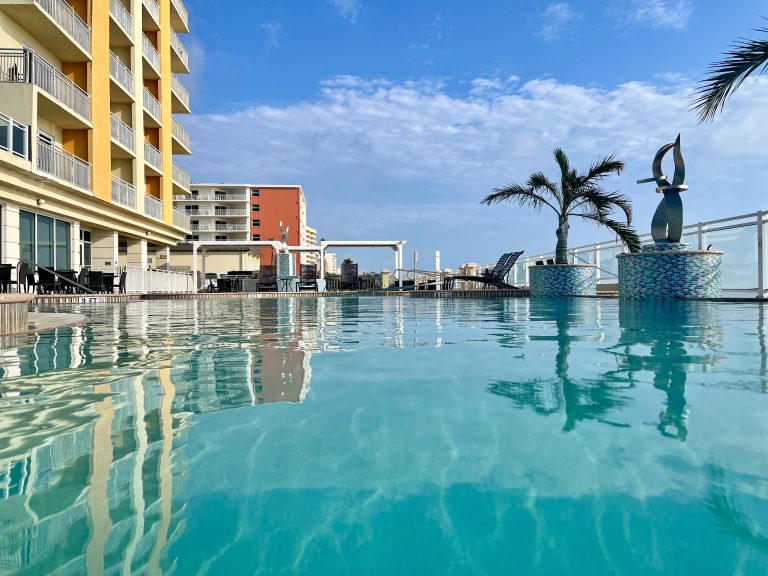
(322, 261)
(195, 282)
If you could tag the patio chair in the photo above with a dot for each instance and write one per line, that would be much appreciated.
(123, 281)
(550, 262)
(349, 277)
(96, 281)
(109, 282)
(308, 277)
(268, 278)
(25, 277)
(82, 278)
(47, 282)
(5, 277)
(496, 276)
(70, 275)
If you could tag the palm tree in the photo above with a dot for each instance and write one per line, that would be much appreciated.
(726, 76)
(576, 195)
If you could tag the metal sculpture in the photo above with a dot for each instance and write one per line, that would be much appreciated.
(667, 223)
(284, 237)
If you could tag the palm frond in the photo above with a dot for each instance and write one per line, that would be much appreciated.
(538, 181)
(520, 194)
(602, 168)
(745, 57)
(603, 202)
(621, 229)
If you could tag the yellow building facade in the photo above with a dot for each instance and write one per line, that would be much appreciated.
(89, 90)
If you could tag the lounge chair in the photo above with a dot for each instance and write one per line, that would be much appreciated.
(308, 278)
(268, 278)
(496, 276)
(349, 277)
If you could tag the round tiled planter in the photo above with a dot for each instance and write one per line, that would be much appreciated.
(563, 280)
(670, 271)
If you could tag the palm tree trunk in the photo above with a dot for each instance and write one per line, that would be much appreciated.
(561, 252)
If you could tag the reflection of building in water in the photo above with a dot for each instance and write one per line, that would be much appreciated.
(662, 337)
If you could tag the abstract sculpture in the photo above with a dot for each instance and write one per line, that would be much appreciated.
(284, 237)
(667, 223)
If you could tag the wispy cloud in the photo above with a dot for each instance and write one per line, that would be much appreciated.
(273, 32)
(381, 158)
(554, 19)
(671, 14)
(348, 9)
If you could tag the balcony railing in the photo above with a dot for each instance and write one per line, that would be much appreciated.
(122, 16)
(14, 137)
(180, 219)
(178, 45)
(123, 133)
(63, 165)
(123, 192)
(216, 212)
(154, 9)
(152, 105)
(180, 134)
(153, 156)
(150, 53)
(180, 90)
(213, 197)
(120, 72)
(182, 10)
(28, 67)
(181, 177)
(67, 18)
(153, 207)
(219, 228)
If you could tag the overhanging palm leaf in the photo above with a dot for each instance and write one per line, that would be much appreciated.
(746, 57)
(576, 195)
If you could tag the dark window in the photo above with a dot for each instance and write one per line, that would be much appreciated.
(255, 208)
(255, 223)
(256, 237)
(221, 237)
(255, 192)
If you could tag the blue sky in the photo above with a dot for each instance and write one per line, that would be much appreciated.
(398, 117)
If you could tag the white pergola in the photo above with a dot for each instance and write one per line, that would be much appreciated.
(276, 245)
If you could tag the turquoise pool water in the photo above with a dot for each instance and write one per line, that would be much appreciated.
(388, 436)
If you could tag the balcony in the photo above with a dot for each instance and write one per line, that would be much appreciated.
(154, 159)
(181, 180)
(55, 25)
(54, 161)
(180, 139)
(120, 25)
(153, 207)
(217, 212)
(151, 58)
(180, 96)
(179, 16)
(123, 192)
(181, 219)
(179, 55)
(121, 87)
(152, 110)
(150, 15)
(123, 138)
(14, 137)
(213, 198)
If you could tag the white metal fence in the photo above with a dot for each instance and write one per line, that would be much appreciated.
(180, 133)
(67, 18)
(181, 91)
(149, 281)
(120, 72)
(178, 45)
(61, 164)
(150, 53)
(122, 133)
(123, 192)
(122, 16)
(154, 9)
(153, 156)
(181, 177)
(14, 137)
(181, 219)
(153, 207)
(152, 105)
(739, 237)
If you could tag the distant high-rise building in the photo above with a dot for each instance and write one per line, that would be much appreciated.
(310, 240)
(330, 263)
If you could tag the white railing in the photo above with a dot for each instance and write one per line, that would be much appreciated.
(216, 212)
(181, 177)
(153, 207)
(122, 16)
(154, 9)
(153, 156)
(150, 53)
(180, 134)
(180, 90)
(66, 17)
(123, 133)
(182, 10)
(123, 192)
(213, 197)
(120, 72)
(148, 281)
(231, 227)
(152, 105)
(181, 219)
(63, 165)
(178, 45)
(14, 137)
(28, 67)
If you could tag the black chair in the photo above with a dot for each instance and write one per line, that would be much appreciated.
(5, 277)
(123, 280)
(25, 277)
(96, 281)
(47, 282)
(109, 282)
(349, 277)
(495, 277)
(70, 275)
(551, 262)
(268, 278)
(212, 279)
(82, 278)
(308, 277)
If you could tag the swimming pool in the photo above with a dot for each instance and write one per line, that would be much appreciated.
(388, 436)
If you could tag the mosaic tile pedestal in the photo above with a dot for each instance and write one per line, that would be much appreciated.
(563, 280)
(670, 271)
(285, 266)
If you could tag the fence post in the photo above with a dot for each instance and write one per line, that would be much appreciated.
(700, 235)
(598, 263)
(760, 256)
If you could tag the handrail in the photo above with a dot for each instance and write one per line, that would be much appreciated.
(59, 276)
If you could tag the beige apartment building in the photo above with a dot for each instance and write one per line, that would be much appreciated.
(89, 91)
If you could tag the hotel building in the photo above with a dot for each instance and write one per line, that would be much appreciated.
(88, 96)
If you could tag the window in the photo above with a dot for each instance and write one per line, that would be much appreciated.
(191, 237)
(193, 193)
(191, 208)
(256, 237)
(27, 235)
(221, 237)
(85, 248)
(255, 223)
(254, 192)
(62, 245)
(44, 240)
(255, 208)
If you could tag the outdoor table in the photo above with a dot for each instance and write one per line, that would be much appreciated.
(287, 283)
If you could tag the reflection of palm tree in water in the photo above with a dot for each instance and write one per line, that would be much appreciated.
(586, 399)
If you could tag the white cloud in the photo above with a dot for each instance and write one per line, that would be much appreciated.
(672, 14)
(554, 19)
(379, 158)
(273, 32)
(347, 9)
